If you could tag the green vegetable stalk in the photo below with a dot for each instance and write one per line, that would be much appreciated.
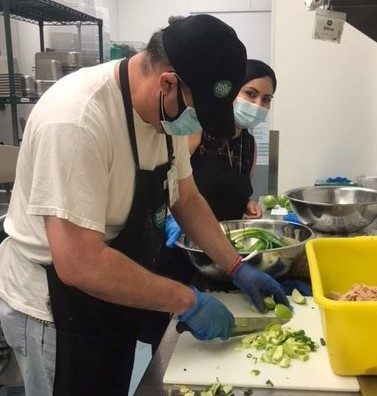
(265, 239)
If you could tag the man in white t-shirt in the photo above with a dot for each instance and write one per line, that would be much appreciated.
(103, 155)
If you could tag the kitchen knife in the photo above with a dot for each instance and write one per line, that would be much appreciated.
(242, 326)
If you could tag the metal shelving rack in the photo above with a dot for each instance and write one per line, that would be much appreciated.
(43, 13)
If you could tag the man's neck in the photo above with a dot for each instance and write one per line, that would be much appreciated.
(143, 88)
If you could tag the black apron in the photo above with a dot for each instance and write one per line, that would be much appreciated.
(95, 340)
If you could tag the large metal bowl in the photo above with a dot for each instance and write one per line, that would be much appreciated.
(276, 262)
(334, 210)
(367, 181)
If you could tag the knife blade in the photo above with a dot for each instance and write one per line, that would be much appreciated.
(242, 326)
(249, 325)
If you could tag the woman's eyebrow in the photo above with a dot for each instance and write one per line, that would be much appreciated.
(253, 89)
(256, 91)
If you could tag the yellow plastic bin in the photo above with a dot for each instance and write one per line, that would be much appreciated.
(350, 327)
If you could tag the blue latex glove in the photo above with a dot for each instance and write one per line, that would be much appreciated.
(172, 231)
(257, 285)
(208, 318)
(338, 179)
(288, 284)
(292, 218)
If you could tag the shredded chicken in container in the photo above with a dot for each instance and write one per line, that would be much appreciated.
(360, 292)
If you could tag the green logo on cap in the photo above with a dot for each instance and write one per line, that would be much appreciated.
(222, 89)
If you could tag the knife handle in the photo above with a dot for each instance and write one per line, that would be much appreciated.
(182, 326)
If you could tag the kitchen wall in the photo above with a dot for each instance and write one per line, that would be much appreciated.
(112, 6)
(326, 100)
(138, 19)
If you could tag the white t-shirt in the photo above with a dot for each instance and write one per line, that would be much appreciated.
(75, 163)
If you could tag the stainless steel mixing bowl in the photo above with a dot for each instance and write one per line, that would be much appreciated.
(334, 210)
(276, 262)
(367, 181)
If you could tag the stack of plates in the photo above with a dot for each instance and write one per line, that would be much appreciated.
(69, 69)
(28, 86)
(4, 85)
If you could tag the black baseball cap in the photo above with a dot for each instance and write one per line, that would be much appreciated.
(210, 59)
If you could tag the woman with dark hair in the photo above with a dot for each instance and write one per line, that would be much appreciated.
(222, 167)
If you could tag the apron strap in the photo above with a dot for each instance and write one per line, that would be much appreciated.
(170, 148)
(127, 102)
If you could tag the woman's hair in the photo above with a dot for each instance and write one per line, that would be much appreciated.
(258, 69)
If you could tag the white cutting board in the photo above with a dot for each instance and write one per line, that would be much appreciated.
(196, 362)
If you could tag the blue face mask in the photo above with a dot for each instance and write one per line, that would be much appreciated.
(247, 114)
(186, 123)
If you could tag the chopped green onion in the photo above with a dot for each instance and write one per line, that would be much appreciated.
(269, 303)
(281, 345)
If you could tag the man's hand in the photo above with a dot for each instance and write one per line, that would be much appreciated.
(253, 211)
(208, 318)
(172, 231)
(257, 285)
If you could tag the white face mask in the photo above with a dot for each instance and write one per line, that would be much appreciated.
(247, 114)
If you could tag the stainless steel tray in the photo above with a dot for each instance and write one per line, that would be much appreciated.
(42, 86)
(67, 58)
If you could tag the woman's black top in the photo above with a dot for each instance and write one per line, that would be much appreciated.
(221, 169)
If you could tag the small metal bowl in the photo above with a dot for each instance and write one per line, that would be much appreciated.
(276, 262)
(334, 210)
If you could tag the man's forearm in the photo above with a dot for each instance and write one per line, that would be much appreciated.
(113, 277)
(200, 224)
(83, 260)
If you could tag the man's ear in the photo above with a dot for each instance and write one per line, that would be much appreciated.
(167, 83)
